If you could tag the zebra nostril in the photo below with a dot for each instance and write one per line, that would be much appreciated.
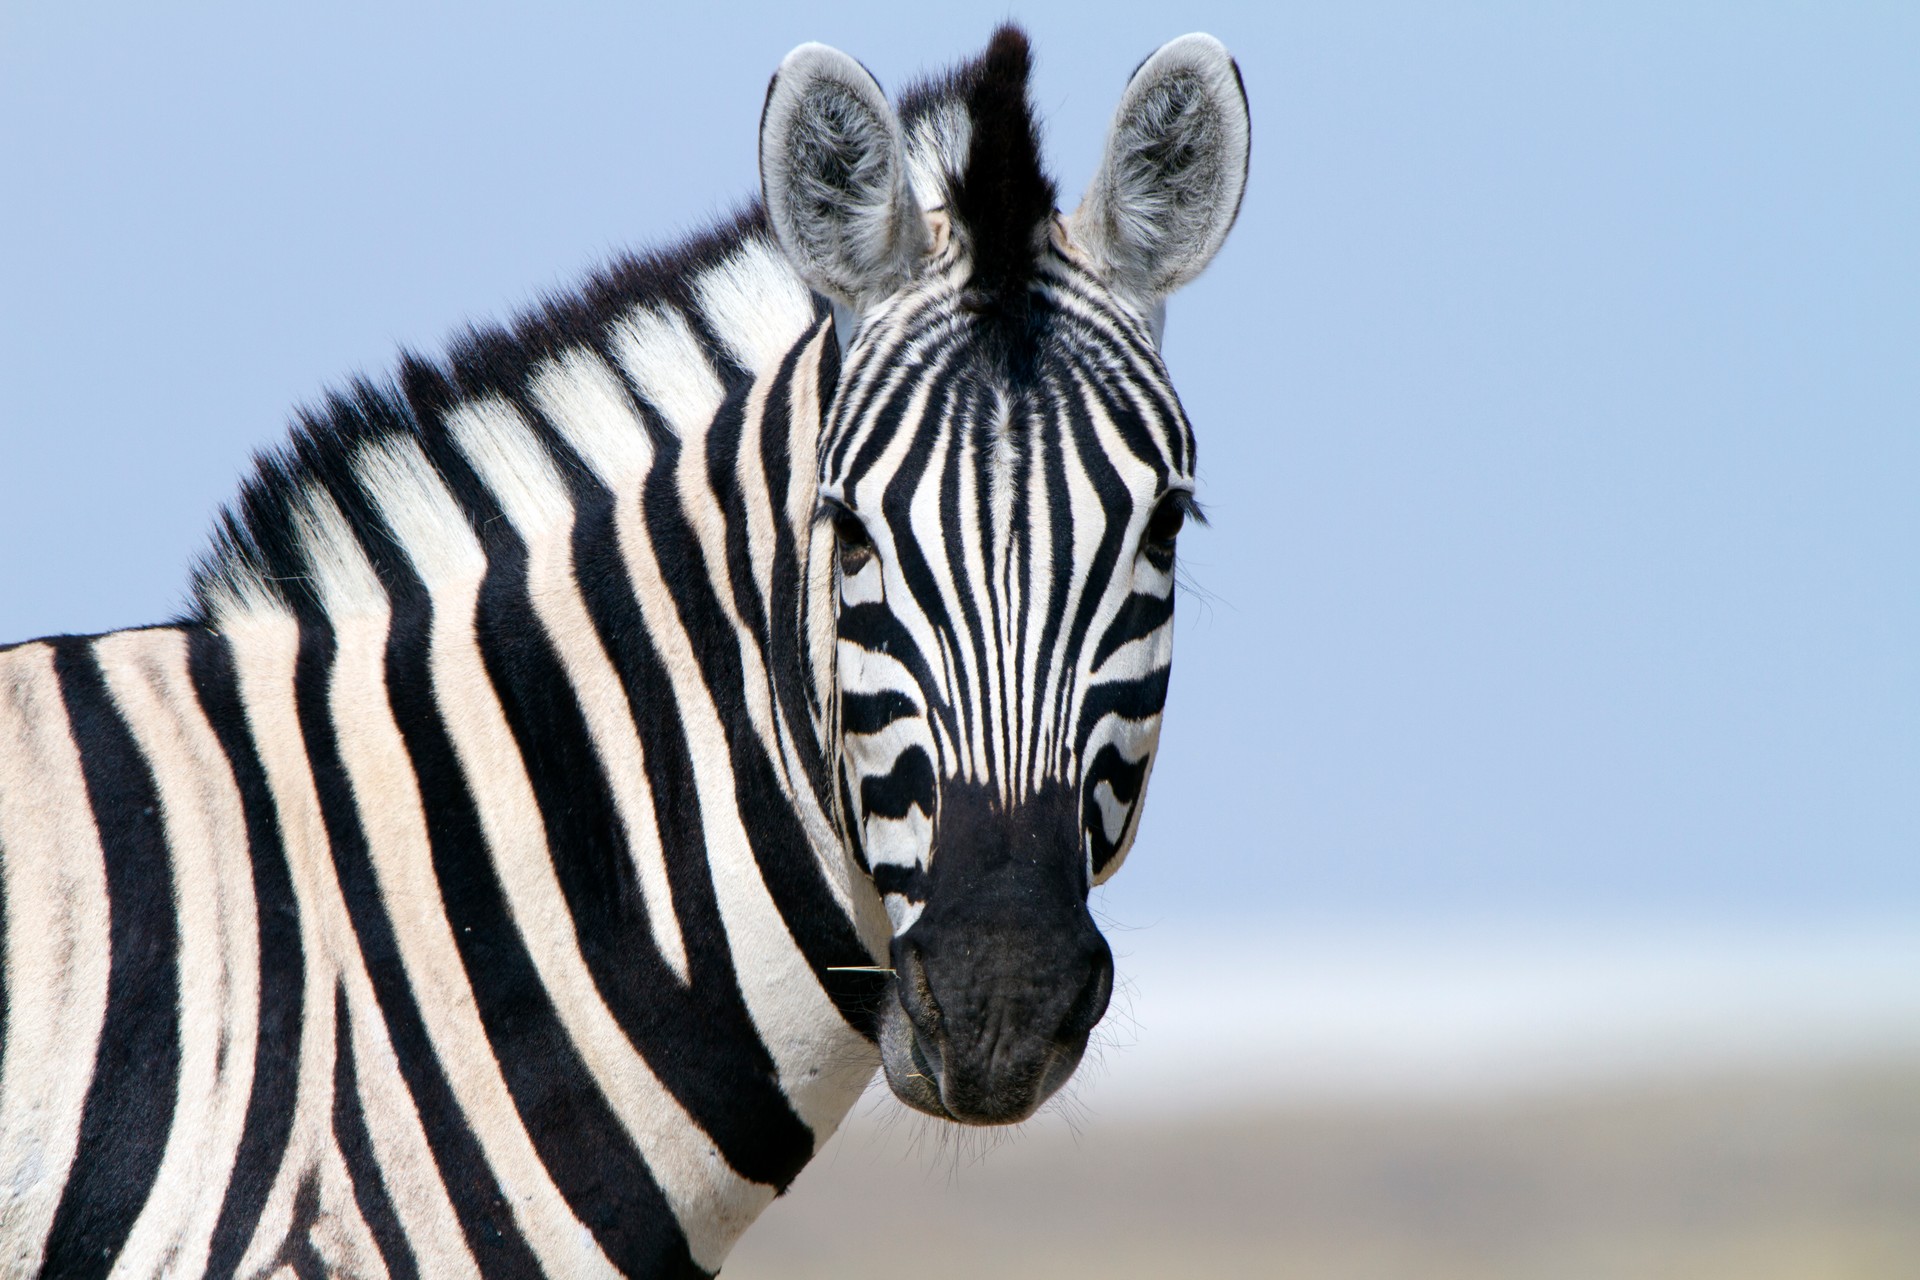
(915, 991)
(1091, 1004)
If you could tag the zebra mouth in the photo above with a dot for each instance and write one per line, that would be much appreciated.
(914, 1079)
(1004, 1082)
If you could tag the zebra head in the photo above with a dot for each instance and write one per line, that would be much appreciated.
(1002, 473)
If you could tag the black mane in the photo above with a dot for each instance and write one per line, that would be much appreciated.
(1000, 203)
(256, 534)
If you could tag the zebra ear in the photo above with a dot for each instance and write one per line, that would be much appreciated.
(834, 175)
(1169, 186)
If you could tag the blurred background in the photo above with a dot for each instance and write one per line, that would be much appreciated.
(1531, 884)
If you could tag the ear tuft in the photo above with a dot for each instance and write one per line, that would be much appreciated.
(1169, 187)
(833, 174)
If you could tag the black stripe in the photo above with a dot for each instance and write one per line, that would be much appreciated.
(875, 627)
(923, 584)
(276, 1063)
(854, 840)
(129, 1106)
(574, 1131)
(1138, 699)
(1058, 573)
(876, 364)
(1126, 778)
(1114, 497)
(958, 420)
(910, 883)
(776, 621)
(909, 783)
(698, 1037)
(356, 1148)
(782, 850)
(575, 1134)
(871, 712)
(477, 1199)
(1140, 615)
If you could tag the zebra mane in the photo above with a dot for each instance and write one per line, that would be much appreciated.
(973, 149)
(740, 304)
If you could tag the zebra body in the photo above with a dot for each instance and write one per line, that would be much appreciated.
(506, 867)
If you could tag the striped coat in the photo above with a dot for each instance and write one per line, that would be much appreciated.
(471, 883)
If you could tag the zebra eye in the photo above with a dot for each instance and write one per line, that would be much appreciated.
(856, 548)
(1164, 525)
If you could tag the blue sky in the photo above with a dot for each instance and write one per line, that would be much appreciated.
(1557, 393)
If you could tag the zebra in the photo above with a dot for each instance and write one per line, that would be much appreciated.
(590, 754)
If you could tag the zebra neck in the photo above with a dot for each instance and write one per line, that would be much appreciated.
(739, 499)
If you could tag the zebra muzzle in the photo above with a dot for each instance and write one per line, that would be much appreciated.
(981, 1033)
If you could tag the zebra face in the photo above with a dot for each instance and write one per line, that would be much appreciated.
(1003, 522)
(1003, 474)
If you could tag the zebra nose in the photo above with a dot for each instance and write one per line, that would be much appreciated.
(1080, 1016)
(1007, 1026)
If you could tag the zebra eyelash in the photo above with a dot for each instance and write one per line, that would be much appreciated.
(849, 529)
(1189, 505)
(833, 511)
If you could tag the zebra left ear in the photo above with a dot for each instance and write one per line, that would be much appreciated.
(834, 175)
(1168, 189)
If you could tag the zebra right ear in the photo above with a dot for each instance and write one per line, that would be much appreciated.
(834, 175)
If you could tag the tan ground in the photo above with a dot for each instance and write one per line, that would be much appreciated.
(1814, 1176)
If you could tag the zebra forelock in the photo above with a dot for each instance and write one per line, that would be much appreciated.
(974, 153)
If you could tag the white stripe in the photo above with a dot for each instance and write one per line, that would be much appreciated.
(659, 352)
(1136, 657)
(898, 842)
(954, 578)
(512, 463)
(219, 946)
(1043, 590)
(265, 648)
(341, 575)
(407, 1168)
(712, 1203)
(1139, 477)
(878, 373)
(408, 1172)
(388, 803)
(57, 947)
(586, 403)
(867, 586)
(762, 514)
(1140, 364)
(1000, 605)
(592, 412)
(823, 1063)
(756, 304)
(924, 524)
(704, 515)
(814, 543)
